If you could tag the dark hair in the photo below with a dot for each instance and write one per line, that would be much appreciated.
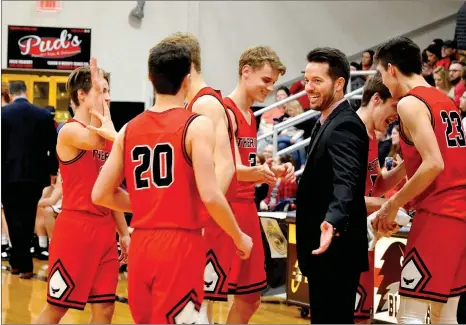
(17, 87)
(437, 41)
(356, 65)
(338, 64)
(168, 64)
(80, 78)
(449, 44)
(372, 86)
(285, 89)
(401, 52)
(436, 50)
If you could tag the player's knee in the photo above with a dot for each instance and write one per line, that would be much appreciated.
(54, 313)
(103, 312)
(248, 304)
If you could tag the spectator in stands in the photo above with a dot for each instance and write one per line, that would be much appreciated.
(267, 119)
(268, 152)
(427, 70)
(449, 52)
(356, 83)
(297, 87)
(442, 81)
(5, 94)
(434, 54)
(261, 190)
(394, 158)
(367, 60)
(28, 161)
(457, 70)
(292, 134)
(463, 109)
(282, 189)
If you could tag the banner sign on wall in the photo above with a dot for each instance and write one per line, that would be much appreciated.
(48, 48)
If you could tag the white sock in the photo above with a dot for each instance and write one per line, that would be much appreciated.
(43, 241)
(4, 239)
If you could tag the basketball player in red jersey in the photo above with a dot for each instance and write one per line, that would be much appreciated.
(204, 100)
(83, 262)
(377, 111)
(166, 155)
(434, 146)
(259, 69)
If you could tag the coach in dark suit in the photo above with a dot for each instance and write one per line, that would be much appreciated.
(331, 214)
(28, 160)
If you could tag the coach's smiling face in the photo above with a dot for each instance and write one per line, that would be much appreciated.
(320, 87)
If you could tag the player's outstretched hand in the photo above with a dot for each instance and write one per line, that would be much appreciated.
(244, 246)
(106, 129)
(124, 246)
(97, 76)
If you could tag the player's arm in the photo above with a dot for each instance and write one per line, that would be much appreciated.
(120, 221)
(374, 203)
(258, 174)
(417, 122)
(107, 191)
(386, 180)
(74, 135)
(200, 144)
(224, 167)
(52, 199)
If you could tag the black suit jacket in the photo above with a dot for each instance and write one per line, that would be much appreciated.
(29, 140)
(332, 188)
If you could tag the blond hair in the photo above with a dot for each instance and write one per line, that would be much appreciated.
(257, 56)
(443, 73)
(295, 104)
(191, 42)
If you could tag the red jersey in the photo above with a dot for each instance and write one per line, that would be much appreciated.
(231, 192)
(447, 194)
(79, 176)
(246, 138)
(372, 165)
(159, 173)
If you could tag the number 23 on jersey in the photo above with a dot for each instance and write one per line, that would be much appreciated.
(156, 166)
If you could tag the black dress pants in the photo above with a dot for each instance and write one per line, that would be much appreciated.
(20, 206)
(333, 296)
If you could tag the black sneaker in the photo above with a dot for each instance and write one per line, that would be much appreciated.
(42, 254)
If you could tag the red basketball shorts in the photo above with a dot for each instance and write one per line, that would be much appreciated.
(365, 291)
(165, 276)
(219, 253)
(248, 276)
(434, 266)
(83, 261)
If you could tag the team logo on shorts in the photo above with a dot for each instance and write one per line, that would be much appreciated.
(214, 276)
(414, 274)
(60, 284)
(186, 311)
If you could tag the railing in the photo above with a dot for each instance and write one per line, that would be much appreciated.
(356, 94)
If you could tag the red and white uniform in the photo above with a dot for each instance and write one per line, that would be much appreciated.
(167, 255)
(247, 276)
(84, 234)
(365, 291)
(220, 248)
(435, 256)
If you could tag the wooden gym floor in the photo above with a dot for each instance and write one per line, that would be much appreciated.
(23, 300)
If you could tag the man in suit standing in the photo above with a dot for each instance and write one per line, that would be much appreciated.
(28, 161)
(331, 213)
